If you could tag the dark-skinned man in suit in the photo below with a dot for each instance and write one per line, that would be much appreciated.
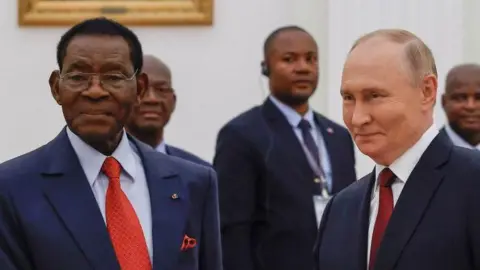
(461, 103)
(95, 197)
(419, 208)
(151, 115)
(279, 163)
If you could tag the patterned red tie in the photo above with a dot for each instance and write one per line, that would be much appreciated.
(385, 209)
(123, 224)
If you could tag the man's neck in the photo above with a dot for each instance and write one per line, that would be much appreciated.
(301, 109)
(106, 147)
(472, 138)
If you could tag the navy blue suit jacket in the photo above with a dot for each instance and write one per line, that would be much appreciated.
(435, 223)
(49, 218)
(175, 151)
(265, 188)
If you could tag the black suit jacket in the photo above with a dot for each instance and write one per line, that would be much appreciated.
(177, 152)
(435, 223)
(265, 189)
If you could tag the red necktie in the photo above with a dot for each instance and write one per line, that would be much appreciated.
(123, 224)
(385, 209)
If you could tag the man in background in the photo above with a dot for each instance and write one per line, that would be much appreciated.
(94, 197)
(151, 115)
(461, 103)
(418, 209)
(279, 162)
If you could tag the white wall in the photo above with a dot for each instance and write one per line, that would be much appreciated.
(216, 73)
(216, 69)
(438, 22)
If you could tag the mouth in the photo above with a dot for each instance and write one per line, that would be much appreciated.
(471, 118)
(150, 114)
(365, 135)
(303, 82)
(96, 113)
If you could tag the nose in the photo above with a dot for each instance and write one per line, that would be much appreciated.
(471, 103)
(360, 115)
(150, 97)
(95, 91)
(304, 66)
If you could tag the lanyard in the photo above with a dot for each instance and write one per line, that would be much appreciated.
(317, 170)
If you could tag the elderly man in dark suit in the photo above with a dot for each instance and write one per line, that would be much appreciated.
(94, 197)
(419, 208)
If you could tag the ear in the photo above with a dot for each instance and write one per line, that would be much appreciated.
(444, 100)
(142, 85)
(429, 90)
(174, 102)
(54, 88)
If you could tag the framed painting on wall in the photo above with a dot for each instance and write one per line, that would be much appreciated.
(128, 12)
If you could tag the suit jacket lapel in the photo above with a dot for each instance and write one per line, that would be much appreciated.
(169, 203)
(68, 191)
(413, 202)
(363, 221)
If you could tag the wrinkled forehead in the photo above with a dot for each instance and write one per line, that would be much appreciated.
(97, 51)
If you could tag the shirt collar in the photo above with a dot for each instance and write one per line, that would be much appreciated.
(91, 160)
(458, 140)
(292, 116)
(403, 166)
(162, 147)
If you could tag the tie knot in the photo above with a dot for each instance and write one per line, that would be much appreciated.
(304, 125)
(111, 168)
(386, 178)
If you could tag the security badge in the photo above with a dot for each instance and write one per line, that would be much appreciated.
(324, 191)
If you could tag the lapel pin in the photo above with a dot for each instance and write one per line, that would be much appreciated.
(330, 130)
(174, 196)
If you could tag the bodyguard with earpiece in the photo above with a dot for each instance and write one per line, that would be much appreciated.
(279, 163)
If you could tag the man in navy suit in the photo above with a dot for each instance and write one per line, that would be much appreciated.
(94, 197)
(419, 208)
(279, 162)
(149, 118)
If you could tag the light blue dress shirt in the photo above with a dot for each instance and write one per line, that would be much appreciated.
(132, 179)
(294, 119)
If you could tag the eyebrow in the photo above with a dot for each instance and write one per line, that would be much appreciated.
(367, 89)
(80, 64)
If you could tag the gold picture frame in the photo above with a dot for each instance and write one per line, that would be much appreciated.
(128, 12)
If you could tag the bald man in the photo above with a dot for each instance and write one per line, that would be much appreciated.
(151, 115)
(419, 208)
(461, 103)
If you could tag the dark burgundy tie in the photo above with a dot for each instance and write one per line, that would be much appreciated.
(385, 209)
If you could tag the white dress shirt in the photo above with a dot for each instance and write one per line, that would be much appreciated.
(132, 179)
(457, 140)
(402, 168)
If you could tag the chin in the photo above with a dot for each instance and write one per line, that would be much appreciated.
(370, 149)
(149, 127)
(302, 92)
(96, 134)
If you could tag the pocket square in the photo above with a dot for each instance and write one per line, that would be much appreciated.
(188, 243)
